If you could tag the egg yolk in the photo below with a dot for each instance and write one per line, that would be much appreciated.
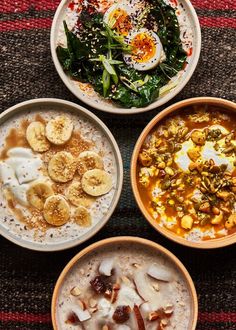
(143, 46)
(122, 22)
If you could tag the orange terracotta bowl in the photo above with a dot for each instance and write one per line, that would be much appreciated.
(141, 243)
(227, 106)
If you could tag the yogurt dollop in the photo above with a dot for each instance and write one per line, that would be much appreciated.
(18, 170)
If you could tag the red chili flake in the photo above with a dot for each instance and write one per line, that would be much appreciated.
(190, 51)
(121, 314)
(174, 2)
(71, 5)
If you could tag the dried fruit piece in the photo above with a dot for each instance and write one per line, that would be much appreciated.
(100, 284)
(121, 314)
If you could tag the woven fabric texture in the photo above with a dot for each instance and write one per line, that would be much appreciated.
(27, 278)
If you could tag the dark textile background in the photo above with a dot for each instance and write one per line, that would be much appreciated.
(27, 278)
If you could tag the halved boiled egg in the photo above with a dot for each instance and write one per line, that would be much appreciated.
(119, 17)
(146, 50)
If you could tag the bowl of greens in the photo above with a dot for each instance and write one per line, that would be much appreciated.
(126, 56)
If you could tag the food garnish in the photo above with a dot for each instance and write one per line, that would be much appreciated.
(128, 51)
(187, 174)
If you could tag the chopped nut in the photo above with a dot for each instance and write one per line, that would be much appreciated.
(192, 166)
(153, 316)
(105, 327)
(155, 286)
(82, 305)
(215, 210)
(92, 302)
(193, 154)
(205, 207)
(161, 165)
(136, 265)
(75, 291)
(169, 171)
(125, 279)
(217, 219)
(223, 195)
(198, 137)
(93, 310)
(187, 222)
(168, 309)
(164, 323)
(115, 290)
(145, 159)
(231, 222)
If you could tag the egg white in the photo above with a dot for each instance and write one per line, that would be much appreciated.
(158, 57)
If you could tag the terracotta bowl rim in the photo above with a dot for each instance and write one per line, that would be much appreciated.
(209, 244)
(127, 239)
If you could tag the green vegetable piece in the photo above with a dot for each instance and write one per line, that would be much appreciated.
(106, 81)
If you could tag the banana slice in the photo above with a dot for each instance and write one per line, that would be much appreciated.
(82, 217)
(59, 130)
(96, 182)
(56, 210)
(35, 135)
(77, 196)
(37, 194)
(89, 160)
(62, 167)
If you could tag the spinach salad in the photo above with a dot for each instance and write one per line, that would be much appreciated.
(127, 53)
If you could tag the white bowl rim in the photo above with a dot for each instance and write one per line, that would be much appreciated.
(118, 110)
(20, 107)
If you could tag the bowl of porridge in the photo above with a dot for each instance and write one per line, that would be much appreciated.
(184, 172)
(124, 283)
(125, 57)
(60, 173)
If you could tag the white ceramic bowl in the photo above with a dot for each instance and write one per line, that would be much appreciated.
(96, 101)
(9, 225)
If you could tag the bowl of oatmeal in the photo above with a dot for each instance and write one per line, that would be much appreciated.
(125, 57)
(124, 283)
(60, 173)
(183, 172)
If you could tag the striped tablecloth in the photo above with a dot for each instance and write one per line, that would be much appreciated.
(27, 278)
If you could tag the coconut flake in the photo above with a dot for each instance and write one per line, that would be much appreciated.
(146, 291)
(83, 315)
(106, 266)
(159, 272)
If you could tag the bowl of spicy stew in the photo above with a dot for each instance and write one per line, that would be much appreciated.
(184, 172)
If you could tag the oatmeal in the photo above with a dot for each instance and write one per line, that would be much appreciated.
(187, 174)
(58, 176)
(130, 287)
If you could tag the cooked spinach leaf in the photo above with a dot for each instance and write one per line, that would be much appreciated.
(94, 55)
